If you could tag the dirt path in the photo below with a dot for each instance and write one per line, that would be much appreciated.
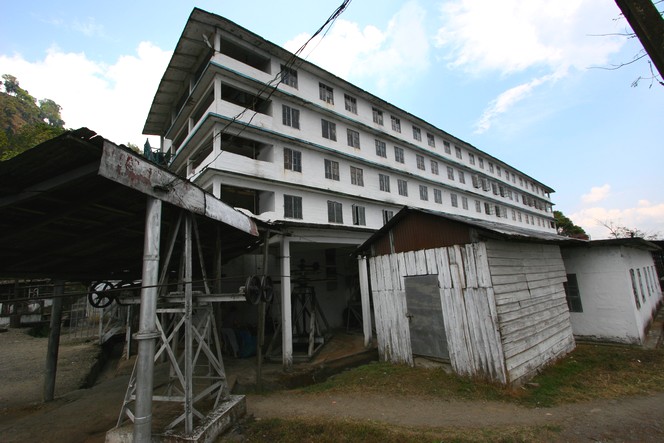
(632, 419)
(85, 415)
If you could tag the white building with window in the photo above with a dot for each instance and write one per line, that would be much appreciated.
(612, 289)
(326, 161)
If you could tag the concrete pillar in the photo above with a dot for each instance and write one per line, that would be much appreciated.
(286, 316)
(366, 303)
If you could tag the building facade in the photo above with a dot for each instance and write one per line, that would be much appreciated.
(613, 292)
(326, 161)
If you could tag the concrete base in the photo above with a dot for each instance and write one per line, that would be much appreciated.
(216, 423)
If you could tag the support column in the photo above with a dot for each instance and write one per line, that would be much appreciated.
(147, 330)
(53, 341)
(188, 331)
(366, 303)
(286, 316)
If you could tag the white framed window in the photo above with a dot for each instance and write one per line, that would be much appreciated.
(377, 116)
(290, 116)
(398, 154)
(329, 130)
(384, 182)
(331, 170)
(381, 149)
(356, 176)
(403, 187)
(334, 212)
(478, 206)
(481, 162)
(447, 146)
(462, 177)
(420, 161)
(358, 216)
(417, 133)
(326, 93)
(431, 140)
(396, 124)
(450, 173)
(353, 138)
(457, 152)
(424, 193)
(288, 76)
(499, 171)
(292, 207)
(434, 167)
(491, 167)
(488, 209)
(464, 203)
(292, 160)
(471, 158)
(350, 103)
(438, 196)
(454, 199)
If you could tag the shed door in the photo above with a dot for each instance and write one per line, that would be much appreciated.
(425, 317)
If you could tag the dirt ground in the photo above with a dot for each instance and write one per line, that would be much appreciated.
(84, 415)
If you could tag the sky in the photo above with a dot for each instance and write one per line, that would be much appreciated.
(523, 80)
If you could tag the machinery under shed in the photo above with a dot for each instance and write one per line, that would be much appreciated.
(79, 208)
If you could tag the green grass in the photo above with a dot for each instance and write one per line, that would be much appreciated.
(347, 431)
(590, 371)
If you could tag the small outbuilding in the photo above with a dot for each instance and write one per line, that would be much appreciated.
(613, 291)
(487, 297)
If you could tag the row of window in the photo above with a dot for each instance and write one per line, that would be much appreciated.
(326, 94)
(650, 277)
(291, 117)
(293, 162)
(293, 204)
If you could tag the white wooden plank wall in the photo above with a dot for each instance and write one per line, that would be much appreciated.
(530, 303)
(467, 299)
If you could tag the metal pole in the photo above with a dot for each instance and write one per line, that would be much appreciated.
(53, 341)
(188, 333)
(261, 320)
(147, 329)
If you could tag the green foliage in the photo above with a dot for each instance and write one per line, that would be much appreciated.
(23, 124)
(567, 227)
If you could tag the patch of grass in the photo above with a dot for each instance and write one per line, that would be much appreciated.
(597, 371)
(590, 371)
(332, 431)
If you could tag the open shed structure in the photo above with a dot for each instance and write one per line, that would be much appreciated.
(613, 289)
(78, 208)
(487, 297)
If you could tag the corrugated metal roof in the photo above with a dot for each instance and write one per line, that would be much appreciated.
(482, 228)
(62, 219)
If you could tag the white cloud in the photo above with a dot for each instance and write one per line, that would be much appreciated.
(645, 216)
(511, 36)
(597, 193)
(112, 100)
(506, 100)
(390, 57)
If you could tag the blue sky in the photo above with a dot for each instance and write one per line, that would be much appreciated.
(514, 78)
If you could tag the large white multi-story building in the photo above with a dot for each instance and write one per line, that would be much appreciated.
(326, 161)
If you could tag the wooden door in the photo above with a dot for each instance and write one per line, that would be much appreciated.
(425, 317)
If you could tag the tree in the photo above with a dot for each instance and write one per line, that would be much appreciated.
(619, 231)
(24, 124)
(567, 228)
(49, 111)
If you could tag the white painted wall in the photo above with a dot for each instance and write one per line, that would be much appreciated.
(609, 310)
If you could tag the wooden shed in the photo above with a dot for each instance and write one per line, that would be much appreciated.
(487, 297)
